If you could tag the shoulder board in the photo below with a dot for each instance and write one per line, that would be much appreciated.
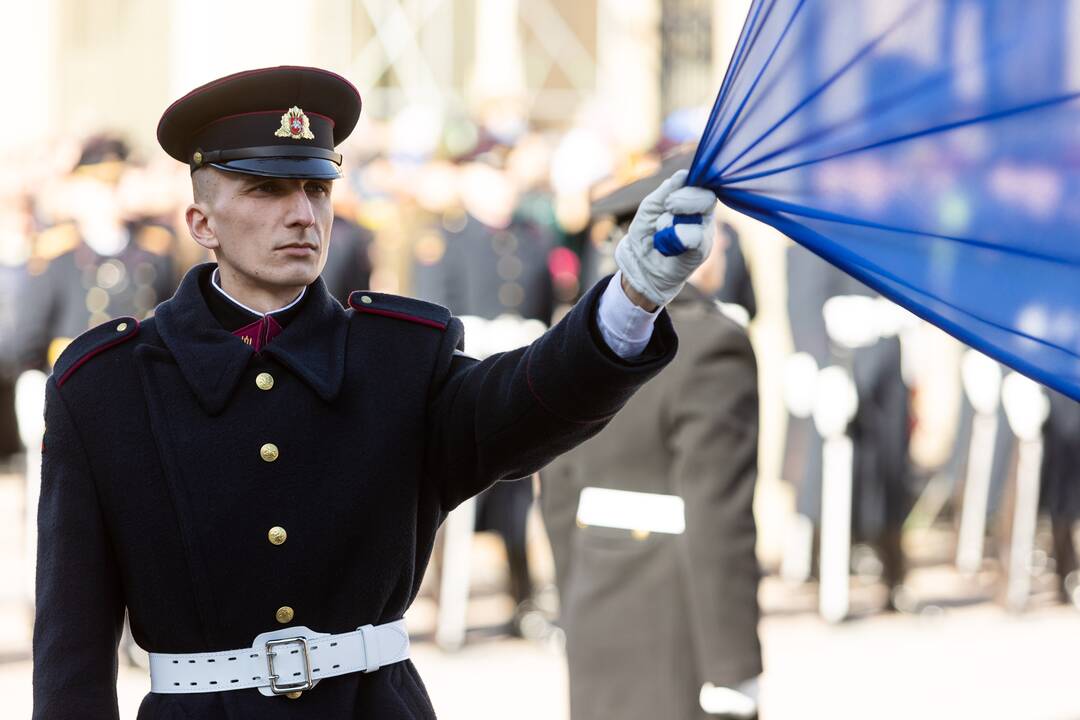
(154, 239)
(400, 308)
(91, 343)
(53, 242)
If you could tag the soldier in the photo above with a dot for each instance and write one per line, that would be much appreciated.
(348, 265)
(652, 528)
(257, 474)
(879, 428)
(94, 266)
(1060, 496)
(494, 271)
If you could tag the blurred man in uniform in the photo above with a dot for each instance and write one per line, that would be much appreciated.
(96, 267)
(257, 474)
(490, 264)
(494, 265)
(1060, 492)
(652, 528)
(348, 262)
(879, 430)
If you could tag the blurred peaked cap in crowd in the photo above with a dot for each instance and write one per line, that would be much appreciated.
(623, 202)
(277, 122)
(103, 148)
(103, 156)
(486, 148)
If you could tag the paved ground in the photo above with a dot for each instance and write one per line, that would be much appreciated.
(955, 655)
(974, 662)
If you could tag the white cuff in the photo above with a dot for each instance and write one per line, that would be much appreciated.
(625, 327)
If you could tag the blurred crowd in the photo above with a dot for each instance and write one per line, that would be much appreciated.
(507, 226)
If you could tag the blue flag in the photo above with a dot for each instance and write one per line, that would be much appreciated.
(930, 148)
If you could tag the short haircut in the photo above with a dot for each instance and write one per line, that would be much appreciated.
(204, 184)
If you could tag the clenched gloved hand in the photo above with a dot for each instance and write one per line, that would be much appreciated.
(659, 269)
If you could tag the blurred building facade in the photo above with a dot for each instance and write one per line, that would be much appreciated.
(116, 63)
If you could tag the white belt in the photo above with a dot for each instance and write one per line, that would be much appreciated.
(281, 661)
(631, 510)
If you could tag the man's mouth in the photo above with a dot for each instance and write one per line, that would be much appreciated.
(299, 248)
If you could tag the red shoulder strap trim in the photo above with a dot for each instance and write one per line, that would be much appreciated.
(95, 350)
(400, 308)
(401, 316)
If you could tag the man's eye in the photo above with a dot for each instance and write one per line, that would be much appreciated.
(318, 188)
(267, 187)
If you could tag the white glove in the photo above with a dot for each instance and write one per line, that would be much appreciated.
(738, 702)
(654, 275)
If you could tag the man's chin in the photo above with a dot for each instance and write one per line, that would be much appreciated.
(296, 274)
(299, 279)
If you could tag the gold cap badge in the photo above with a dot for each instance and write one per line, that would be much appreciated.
(295, 125)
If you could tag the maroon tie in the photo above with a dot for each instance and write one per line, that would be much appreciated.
(260, 332)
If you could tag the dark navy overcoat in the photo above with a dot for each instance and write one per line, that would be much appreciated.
(158, 496)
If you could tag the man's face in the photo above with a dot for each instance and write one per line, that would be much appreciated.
(273, 232)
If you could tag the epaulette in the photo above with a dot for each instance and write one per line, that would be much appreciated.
(91, 343)
(154, 239)
(400, 308)
(53, 242)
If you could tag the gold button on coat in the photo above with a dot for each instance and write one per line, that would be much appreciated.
(264, 381)
(284, 614)
(277, 535)
(269, 452)
(294, 694)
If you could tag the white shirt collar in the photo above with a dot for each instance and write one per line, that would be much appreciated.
(217, 286)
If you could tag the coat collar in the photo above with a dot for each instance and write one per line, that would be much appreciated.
(213, 360)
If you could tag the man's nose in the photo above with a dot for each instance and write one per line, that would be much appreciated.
(300, 212)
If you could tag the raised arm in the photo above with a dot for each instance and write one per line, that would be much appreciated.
(509, 415)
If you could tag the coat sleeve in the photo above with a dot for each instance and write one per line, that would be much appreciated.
(712, 426)
(79, 613)
(509, 415)
(33, 323)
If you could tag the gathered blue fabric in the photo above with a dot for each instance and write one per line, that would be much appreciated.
(926, 147)
(667, 242)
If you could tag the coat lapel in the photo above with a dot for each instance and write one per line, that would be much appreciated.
(212, 360)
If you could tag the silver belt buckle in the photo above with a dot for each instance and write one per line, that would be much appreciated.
(283, 688)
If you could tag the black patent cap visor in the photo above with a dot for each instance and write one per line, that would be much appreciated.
(274, 122)
(314, 168)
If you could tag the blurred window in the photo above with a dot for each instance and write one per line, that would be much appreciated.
(686, 71)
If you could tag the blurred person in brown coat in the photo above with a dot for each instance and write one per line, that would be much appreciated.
(652, 528)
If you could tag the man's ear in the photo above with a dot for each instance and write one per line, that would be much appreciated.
(198, 222)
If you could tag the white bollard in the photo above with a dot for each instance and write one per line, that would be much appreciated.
(831, 416)
(454, 579)
(981, 379)
(1026, 408)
